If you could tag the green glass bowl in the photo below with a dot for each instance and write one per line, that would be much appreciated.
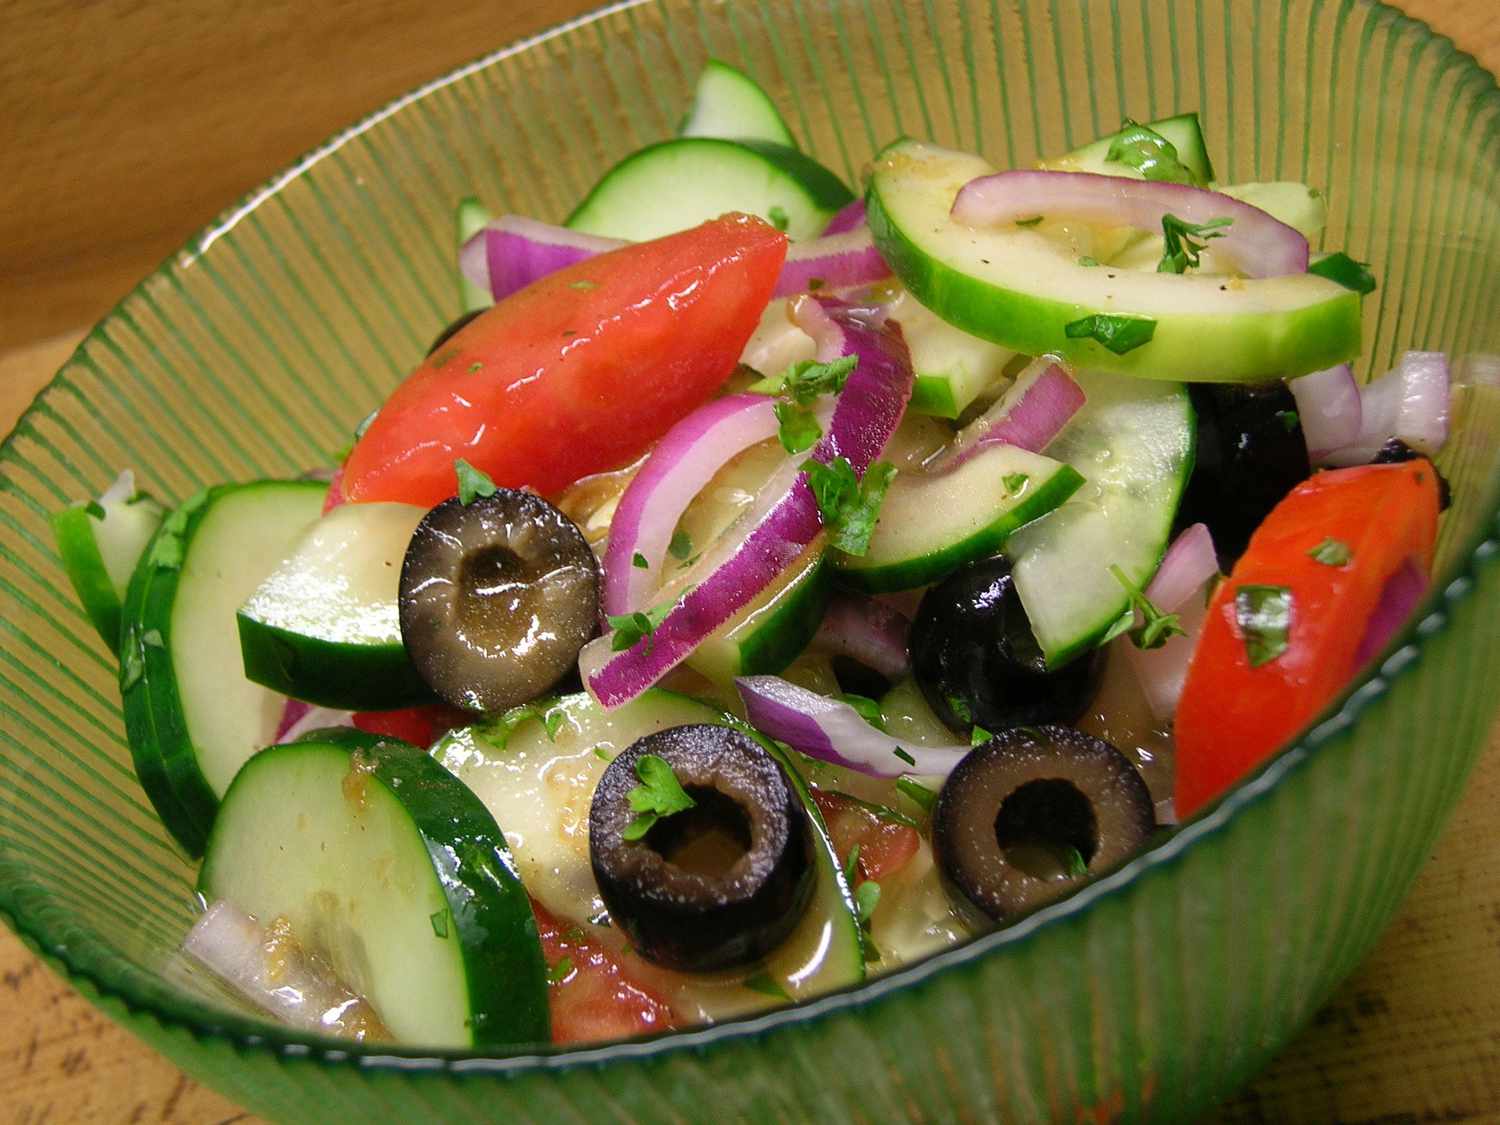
(257, 348)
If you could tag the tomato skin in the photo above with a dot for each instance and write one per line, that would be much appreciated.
(1232, 716)
(884, 847)
(419, 726)
(595, 997)
(579, 372)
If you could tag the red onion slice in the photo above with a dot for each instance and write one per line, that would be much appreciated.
(1403, 590)
(785, 517)
(1328, 404)
(832, 731)
(678, 468)
(1029, 415)
(1258, 244)
(297, 718)
(1189, 564)
(1410, 402)
(848, 217)
(835, 261)
(868, 631)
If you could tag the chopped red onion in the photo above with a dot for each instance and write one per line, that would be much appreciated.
(1178, 587)
(835, 261)
(1029, 415)
(1328, 405)
(848, 217)
(1403, 590)
(678, 468)
(785, 517)
(297, 718)
(1409, 402)
(833, 731)
(1258, 244)
(868, 631)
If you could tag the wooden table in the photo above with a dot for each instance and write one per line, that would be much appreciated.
(127, 126)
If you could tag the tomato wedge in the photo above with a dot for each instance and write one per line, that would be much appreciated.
(579, 372)
(1332, 545)
(590, 994)
(885, 847)
(419, 726)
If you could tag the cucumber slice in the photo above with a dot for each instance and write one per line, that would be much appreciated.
(729, 103)
(99, 542)
(770, 632)
(191, 716)
(469, 218)
(1020, 289)
(952, 367)
(680, 183)
(324, 626)
(930, 525)
(1133, 442)
(536, 768)
(391, 871)
(1300, 207)
(1183, 130)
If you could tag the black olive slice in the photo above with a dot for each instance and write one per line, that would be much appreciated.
(1019, 814)
(1250, 453)
(977, 661)
(721, 884)
(497, 597)
(452, 330)
(1395, 451)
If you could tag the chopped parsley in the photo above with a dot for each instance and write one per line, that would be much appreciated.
(1346, 271)
(561, 971)
(978, 736)
(1031, 222)
(365, 423)
(797, 429)
(658, 795)
(1331, 552)
(917, 793)
(95, 510)
(866, 899)
(439, 920)
(1120, 334)
(602, 754)
(681, 545)
(1264, 615)
(778, 216)
(1157, 627)
(1074, 863)
(1088, 261)
(767, 985)
(638, 561)
(867, 708)
(1014, 482)
(850, 505)
(472, 483)
(583, 283)
(476, 367)
(1149, 153)
(630, 628)
(904, 756)
(851, 866)
(1180, 252)
(807, 380)
(497, 730)
(1289, 419)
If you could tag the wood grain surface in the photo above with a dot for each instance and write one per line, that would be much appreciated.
(125, 126)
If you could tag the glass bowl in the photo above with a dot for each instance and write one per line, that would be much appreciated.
(256, 349)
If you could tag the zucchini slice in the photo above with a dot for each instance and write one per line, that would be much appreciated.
(324, 626)
(536, 768)
(390, 870)
(1021, 289)
(680, 183)
(729, 103)
(99, 542)
(191, 715)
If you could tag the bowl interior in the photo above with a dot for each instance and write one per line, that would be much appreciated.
(255, 350)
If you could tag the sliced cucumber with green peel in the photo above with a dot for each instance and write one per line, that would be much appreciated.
(1300, 207)
(1183, 131)
(1133, 442)
(536, 769)
(727, 102)
(469, 218)
(770, 632)
(1018, 288)
(100, 541)
(325, 625)
(931, 524)
(390, 871)
(191, 715)
(677, 184)
(952, 367)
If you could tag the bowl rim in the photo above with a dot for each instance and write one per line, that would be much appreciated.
(90, 965)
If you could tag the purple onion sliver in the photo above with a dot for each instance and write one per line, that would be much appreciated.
(868, 631)
(1328, 405)
(1410, 402)
(292, 712)
(1189, 563)
(1260, 245)
(834, 261)
(1403, 590)
(519, 251)
(1029, 415)
(848, 217)
(833, 731)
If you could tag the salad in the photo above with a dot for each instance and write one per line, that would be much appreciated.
(760, 588)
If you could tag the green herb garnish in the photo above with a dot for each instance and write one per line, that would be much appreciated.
(851, 866)
(904, 756)
(917, 793)
(797, 429)
(561, 971)
(630, 628)
(1088, 261)
(95, 509)
(1264, 615)
(868, 709)
(1180, 252)
(472, 483)
(1120, 334)
(778, 216)
(807, 380)
(476, 367)
(1014, 482)
(439, 921)
(583, 283)
(659, 794)
(1031, 222)
(1346, 271)
(681, 545)
(1158, 627)
(1332, 552)
(638, 561)
(866, 899)
(602, 754)
(1289, 419)
(978, 736)
(850, 505)
(1149, 153)
(767, 985)
(1075, 863)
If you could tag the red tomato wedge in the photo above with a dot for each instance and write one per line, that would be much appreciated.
(590, 994)
(419, 726)
(884, 846)
(579, 372)
(1234, 714)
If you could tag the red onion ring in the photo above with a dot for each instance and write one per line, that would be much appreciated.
(1410, 402)
(1189, 564)
(1029, 415)
(848, 217)
(1328, 404)
(868, 631)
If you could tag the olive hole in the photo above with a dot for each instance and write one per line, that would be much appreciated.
(707, 839)
(1041, 824)
(490, 568)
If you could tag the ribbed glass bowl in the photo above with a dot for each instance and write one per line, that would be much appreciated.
(256, 349)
